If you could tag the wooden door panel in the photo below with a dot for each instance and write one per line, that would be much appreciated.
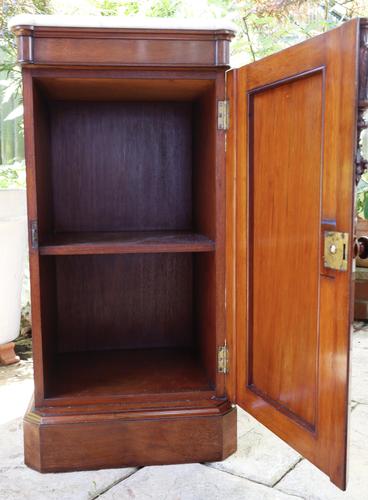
(295, 136)
(285, 211)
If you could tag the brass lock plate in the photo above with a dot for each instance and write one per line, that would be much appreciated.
(336, 250)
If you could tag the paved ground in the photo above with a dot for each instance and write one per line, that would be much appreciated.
(263, 468)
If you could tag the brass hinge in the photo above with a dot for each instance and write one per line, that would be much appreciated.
(223, 359)
(34, 233)
(223, 115)
(336, 246)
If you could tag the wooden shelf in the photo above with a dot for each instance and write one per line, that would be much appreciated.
(85, 243)
(100, 374)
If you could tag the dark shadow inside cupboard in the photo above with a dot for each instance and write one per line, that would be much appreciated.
(126, 196)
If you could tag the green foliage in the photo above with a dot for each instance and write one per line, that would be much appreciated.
(9, 9)
(130, 8)
(11, 86)
(108, 7)
(13, 176)
(149, 8)
(362, 197)
(163, 8)
(264, 27)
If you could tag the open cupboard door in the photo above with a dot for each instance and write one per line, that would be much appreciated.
(293, 137)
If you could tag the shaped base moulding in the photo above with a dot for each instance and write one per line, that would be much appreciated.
(72, 438)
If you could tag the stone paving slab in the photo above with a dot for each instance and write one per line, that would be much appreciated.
(359, 375)
(16, 387)
(261, 456)
(18, 482)
(11, 443)
(359, 361)
(17, 372)
(360, 339)
(190, 482)
(245, 422)
(22, 483)
(307, 481)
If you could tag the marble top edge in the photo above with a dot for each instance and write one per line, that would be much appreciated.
(133, 22)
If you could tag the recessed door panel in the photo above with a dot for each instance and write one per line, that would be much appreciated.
(285, 168)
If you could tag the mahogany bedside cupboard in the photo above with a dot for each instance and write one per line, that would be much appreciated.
(190, 235)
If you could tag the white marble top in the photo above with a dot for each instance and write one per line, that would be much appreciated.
(120, 22)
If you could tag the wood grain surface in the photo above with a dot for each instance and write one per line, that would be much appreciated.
(125, 171)
(42, 45)
(121, 166)
(285, 172)
(62, 442)
(296, 132)
(104, 374)
(84, 243)
(124, 301)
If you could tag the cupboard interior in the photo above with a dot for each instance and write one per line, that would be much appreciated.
(126, 201)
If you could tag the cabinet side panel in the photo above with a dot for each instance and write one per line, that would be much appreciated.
(231, 264)
(209, 219)
(39, 196)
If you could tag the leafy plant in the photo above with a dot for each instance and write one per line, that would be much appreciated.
(8, 51)
(362, 197)
(13, 176)
(264, 26)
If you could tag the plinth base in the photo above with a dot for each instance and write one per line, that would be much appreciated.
(70, 439)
